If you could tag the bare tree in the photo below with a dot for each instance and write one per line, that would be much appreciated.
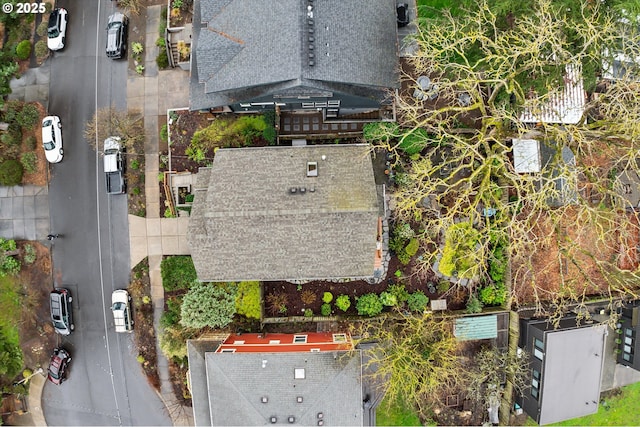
(128, 125)
(564, 224)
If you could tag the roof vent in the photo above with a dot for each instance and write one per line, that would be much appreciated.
(311, 46)
(311, 31)
(299, 399)
(320, 422)
(311, 39)
(298, 373)
(264, 363)
(264, 399)
(303, 190)
(320, 415)
(293, 190)
(312, 190)
(291, 419)
(273, 420)
(310, 22)
(311, 55)
(312, 63)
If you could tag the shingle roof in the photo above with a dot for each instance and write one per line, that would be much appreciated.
(246, 225)
(238, 381)
(247, 44)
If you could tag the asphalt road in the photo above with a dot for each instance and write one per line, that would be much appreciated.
(105, 384)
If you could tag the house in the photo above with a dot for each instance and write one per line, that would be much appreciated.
(566, 368)
(261, 379)
(286, 213)
(629, 328)
(337, 56)
(554, 167)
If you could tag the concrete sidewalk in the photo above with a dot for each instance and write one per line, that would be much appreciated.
(154, 93)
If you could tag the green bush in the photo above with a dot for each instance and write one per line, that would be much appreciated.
(417, 302)
(308, 312)
(412, 247)
(177, 272)
(269, 134)
(41, 30)
(404, 231)
(41, 49)
(493, 295)
(29, 161)
(171, 315)
(397, 243)
(32, 142)
(459, 255)
(29, 254)
(369, 305)
(248, 303)
(414, 141)
(343, 302)
(23, 50)
(327, 297)
(162, 60)
(164, 133)
(473, 305)
(403, 257)
(399, 292)
(9, 266)
(11, 353)
(443, 286)
(388, 299)
(210, 305)
(325, 309)
(380, 131)
(189, 198)
(10, 173)
(161, 42)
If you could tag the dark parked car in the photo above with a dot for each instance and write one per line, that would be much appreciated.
(402, 10)
(58, 366)
(117, 35)
(61, 313)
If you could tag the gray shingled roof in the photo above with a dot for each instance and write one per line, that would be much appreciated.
(245, 224)
(247, 44)
(237, 382)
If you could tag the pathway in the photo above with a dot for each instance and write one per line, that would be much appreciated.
(154, 93)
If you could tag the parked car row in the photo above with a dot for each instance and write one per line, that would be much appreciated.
(117, 26)
(60, 300)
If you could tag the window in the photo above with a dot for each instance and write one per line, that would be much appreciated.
(228, 350)
(239, 342)
(339, 337)
(535, 384)
(315, 350)
(274, 341)
(628, 332)
(307, 105)
(299, 338)
(538, 347)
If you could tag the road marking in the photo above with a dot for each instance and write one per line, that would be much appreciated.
(104, 313)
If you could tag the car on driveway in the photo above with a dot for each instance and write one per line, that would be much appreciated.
(57, 372)
(57, 29)
(117, 35)
(121, 308)
(52, 138)
(61, 312)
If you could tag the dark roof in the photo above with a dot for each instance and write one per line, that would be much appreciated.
(246, 225)
(244, 44)
(233, 385)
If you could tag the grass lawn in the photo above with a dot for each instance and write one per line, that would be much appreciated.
(396, 414)
(621, 410)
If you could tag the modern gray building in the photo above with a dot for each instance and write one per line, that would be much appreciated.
(286, 213)
(337, 56)
(566, 368)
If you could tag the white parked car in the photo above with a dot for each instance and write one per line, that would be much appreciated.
(57, 29)
(121, 308)
(52, 138)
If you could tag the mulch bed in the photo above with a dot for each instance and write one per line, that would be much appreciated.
(295, 305)
(145, 335)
